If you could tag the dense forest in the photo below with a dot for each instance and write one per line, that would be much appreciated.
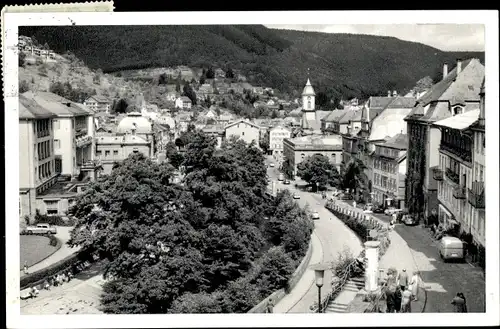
(343, 65)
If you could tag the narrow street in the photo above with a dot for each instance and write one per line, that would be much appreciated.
(332, 233)
(444, 279)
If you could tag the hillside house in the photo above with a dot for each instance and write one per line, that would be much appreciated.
(247, 131)
(98, 103)
(183, 102)
(258, 90)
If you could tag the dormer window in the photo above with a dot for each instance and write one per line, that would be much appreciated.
(457, 110)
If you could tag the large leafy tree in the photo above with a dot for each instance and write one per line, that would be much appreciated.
(354, 177)
(318, 171)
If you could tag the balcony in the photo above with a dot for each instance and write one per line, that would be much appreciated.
(43, 133)
(476, 195)
(453, 176)
(90, 164)
(459, 192)
(437, 173)
(80, 131)
(462, 153)
(83, 141)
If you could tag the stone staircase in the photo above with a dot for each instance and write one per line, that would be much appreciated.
(352, 287)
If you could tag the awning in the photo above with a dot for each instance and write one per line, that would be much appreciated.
(459, 121)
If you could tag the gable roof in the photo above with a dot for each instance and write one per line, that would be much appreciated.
(29, 109)
(185, 99)
(242, 121)
(58, 105)
(350, 115)
(399, 141)
(334, 115)
(98, 98)
(462, 88)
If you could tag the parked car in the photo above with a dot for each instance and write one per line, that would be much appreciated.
(271, 164)
(409, 220)
(451, 248)
(378, 209)
(281, 177)
(296, 196)
(345, 196)
(315, 215)
(286, 182)
(41, 228)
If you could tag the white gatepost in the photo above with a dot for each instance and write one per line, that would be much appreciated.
(371, 270)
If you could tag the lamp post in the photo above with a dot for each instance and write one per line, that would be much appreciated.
(319, 272)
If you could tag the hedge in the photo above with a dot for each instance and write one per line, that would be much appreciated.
(41, 275)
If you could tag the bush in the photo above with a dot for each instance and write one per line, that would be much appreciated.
(53, 241)
(277, 268)
(36, 277)
(52, 220)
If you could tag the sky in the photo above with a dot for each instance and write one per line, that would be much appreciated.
(447, 37)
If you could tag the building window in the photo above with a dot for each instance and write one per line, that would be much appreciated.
(98, 153)
(52, 207)
(457, 110)
(242, 133)
(106, 153)
(334, 158)
(57, 144)
(115, 152)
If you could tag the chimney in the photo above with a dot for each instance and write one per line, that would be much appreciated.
(388, 93)
(394, 93)
(459, 66)
(445, 70)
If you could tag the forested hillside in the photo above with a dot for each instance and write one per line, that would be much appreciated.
(340, 64)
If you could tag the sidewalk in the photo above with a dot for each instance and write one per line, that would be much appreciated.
(63, 234)
(305, 283)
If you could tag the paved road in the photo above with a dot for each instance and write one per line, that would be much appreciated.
(444, 279)
(63, 234)
(333, 235)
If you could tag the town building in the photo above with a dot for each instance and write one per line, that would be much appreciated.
(183, 102)
(247, 131)
(73, 128)
(98, 103)
(215, 131)
(456, 93)
(389, 171)
(476, 192)
(342, 122)
(36, 153)
(455, 162)
(276, 136)
(311, 118)
(133, 134)
(295, 150)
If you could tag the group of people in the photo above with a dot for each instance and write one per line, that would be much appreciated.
(58, 280)
(401, 291)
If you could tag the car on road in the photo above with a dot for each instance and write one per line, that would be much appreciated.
(392, 210)
(345, 196)
(451, 248)
(409, 220)
(286, 182)
(378, 209)
(296, 196)
(315, 215)
(271, 164)
(281, 177)
(41, 228)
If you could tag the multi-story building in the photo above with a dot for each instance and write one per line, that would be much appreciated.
(454, 172)
(476, 192)
(247, 131)
(98, 103)
(389, 171)
(36, 153)
(73, 128)
(456, 93)
(295, 150)
(276, 136)
(215, 131)
(342, 122)
(183, 102)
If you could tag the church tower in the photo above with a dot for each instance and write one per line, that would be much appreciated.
(308, 103)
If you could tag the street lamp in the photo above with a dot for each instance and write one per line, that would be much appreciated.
(319, 272)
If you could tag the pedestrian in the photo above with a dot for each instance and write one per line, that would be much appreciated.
(403, 279)
(406, 302)
(415, 283)
(398, 299)
(354, 204)
(390, 297)
(70, 275)
(54, 281)
(25, 267)
(46, 285)
(34, 292)
(269, 306)
(459, 303)
(465, 302)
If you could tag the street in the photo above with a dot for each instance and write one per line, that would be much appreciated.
(332, 233)
(444, 279)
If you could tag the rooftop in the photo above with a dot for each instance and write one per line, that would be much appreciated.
(121, 139)
(331, 142)
(399, 141)
(56, 104)
(29, 109)
(63, 188)
(459, 121)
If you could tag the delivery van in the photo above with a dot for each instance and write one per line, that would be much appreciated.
(451, 248)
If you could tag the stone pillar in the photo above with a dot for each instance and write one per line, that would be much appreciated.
(371, 271)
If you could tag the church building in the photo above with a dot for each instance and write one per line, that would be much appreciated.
(311, 141)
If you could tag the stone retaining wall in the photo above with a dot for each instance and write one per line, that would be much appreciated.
(279, 294)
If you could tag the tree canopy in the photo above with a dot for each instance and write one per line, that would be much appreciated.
(214, 243)
(317, 170)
